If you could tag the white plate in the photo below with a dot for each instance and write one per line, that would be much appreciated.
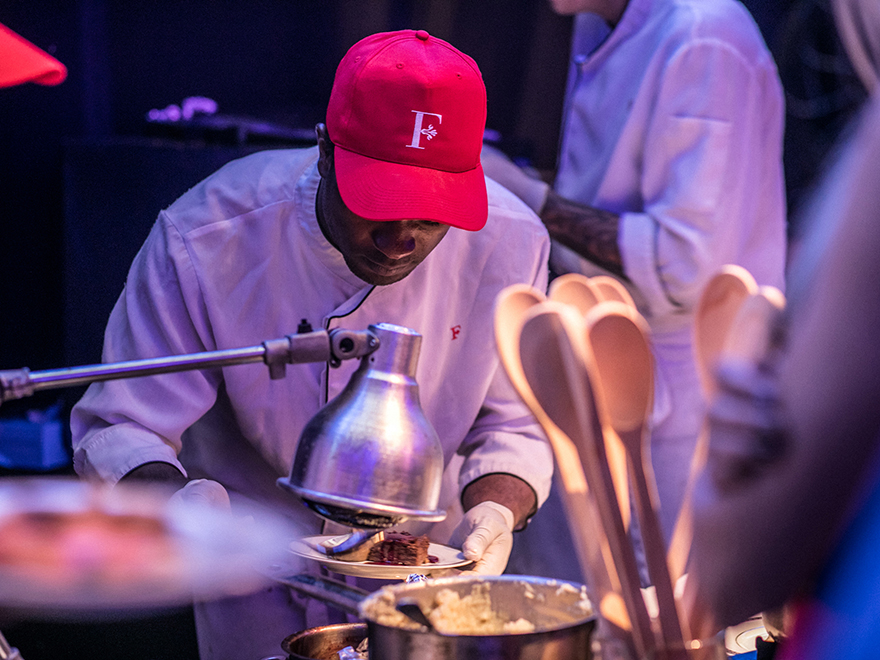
(447, 559)
(741, 638)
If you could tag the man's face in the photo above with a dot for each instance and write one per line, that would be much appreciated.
(377, 252)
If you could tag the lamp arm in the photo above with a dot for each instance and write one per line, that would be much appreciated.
(332, 346)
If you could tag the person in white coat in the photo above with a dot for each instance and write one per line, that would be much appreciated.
(670, 167)
(389, 219)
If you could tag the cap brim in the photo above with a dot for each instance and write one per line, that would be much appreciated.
(379, 190)
(21, 62)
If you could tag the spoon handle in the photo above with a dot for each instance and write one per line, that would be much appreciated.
(671, 626)
(591, 448)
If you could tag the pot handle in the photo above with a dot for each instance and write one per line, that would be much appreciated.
(334, 592)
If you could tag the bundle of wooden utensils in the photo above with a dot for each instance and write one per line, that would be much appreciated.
(581, 359)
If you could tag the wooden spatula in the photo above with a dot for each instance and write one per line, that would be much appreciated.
(718, 306)
(625, 368)
(749, 339)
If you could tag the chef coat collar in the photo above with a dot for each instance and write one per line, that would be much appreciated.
(591, 40)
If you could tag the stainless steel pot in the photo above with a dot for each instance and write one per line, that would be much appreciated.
(563, 627)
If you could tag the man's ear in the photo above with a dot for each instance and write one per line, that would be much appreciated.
(325, 151)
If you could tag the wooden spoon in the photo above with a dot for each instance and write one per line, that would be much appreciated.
(576, 290)
(773, 295)
(612, 289)
(594, 554)
(717, 308)
(750, 336)
(750, 339)
(555, 360)
(625, 369)
(580, 292)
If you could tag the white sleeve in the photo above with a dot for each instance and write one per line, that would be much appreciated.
(505, 437)
(121, 424)
(711, 174)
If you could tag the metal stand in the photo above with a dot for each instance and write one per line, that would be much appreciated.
(318, 346)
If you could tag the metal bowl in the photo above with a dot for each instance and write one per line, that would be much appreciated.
(323, 642)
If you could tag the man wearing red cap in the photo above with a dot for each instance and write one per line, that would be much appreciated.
(389, 219)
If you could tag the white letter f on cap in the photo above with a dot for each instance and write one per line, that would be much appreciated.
(418, 131)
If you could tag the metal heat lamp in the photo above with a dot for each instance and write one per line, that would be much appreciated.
(370, 458)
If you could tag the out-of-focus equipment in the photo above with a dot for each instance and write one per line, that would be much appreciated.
(71, 548)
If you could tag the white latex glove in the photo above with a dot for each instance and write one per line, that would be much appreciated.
(496, 165)
(486, 537)
(203, 492)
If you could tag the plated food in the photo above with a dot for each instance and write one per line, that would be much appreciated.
(398, 548)
(390, 548)
(395, 556)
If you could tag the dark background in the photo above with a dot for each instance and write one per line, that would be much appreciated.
(83, 174)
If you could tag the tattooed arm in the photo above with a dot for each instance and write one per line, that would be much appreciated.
(589, 231)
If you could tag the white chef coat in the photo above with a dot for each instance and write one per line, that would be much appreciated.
(674, 120)
(240, 259)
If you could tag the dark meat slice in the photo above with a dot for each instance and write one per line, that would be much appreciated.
(400, 548)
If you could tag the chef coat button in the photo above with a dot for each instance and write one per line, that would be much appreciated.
(423, 35)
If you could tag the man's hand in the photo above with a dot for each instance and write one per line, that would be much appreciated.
(486, 537)
(498, 166)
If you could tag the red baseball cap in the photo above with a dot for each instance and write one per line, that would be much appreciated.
(21, 62)
(407, 115)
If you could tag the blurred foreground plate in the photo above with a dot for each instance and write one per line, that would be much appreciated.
(71, 548)
(742, 637)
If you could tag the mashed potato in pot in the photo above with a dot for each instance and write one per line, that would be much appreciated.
(451, 613)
